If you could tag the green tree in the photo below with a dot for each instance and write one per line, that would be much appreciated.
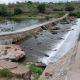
(30, 2)
(69, 7)
(3, 12)
(41, 7)
(17, 11)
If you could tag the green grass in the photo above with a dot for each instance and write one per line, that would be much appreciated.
(5, 73)
(32, 34)
(36, 71)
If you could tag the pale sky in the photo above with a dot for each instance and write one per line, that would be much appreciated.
(11, 1)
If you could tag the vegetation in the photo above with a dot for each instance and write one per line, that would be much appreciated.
(17, 11)
(29, 9)
(5, 73)
(36, 71)
(41, 8)
(47, 17)
(32, 34)
(69, 7)
(56, 9)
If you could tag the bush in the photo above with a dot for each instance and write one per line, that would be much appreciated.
(47, 17)
(41, 8)
(61, 14)
(36, 69)
(73, 14)
(3, 12)
(5, 73)
(30, 2)
(17, 11)
(76, 14)
(69, 8)
(55, 9)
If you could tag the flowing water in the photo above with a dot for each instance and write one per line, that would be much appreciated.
(50, 44)
(45, 42)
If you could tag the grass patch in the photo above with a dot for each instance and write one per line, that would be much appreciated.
(5, 73)
(36, 71)
(32, 34)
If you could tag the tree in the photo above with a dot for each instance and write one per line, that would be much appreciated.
(41, 7)
(30, 2)
(17, 11)
(3, 12)
(69, 8)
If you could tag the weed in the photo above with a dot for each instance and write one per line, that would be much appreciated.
(5, 73)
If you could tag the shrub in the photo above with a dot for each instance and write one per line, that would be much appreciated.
(61, 14)
(47, 17)
(17, 11)
(30, 2)
(3, 12)
(69, 8)
(41, 8)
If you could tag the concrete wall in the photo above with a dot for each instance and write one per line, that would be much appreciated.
(22, 33)
(59, 69)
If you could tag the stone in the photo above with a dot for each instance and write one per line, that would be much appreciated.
(31, 48)
(59, 38)
(11, 52)
(39, 64)
(23, 71)
(32, 78)
(39, 43)
(50, 74)
(46, 55)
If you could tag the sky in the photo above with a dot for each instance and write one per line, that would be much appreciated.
(14, 1)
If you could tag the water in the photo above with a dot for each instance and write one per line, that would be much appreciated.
(11, 25)
(50, 44)
(70, 39)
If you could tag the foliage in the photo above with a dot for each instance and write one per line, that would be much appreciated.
(3, 12)
(73, 14)
(55, 9)
(30, 2)
(17, 11)
(61, 14)
(69, 8)
(47, 17)
(5, 73)
(36, 71)
(9, 14)
(76, 14)
(41, 7)
(32, 34)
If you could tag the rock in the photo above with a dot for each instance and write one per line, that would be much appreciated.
(48, 74)
(39, 43)
(39, 64)
(27, 66)
(32, 78)
(46, 55)
(11, 52)
(72, 29)
(31, 48)
(51, 38)
(55, 50)
(59, 38)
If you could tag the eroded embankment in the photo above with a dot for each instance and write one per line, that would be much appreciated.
(22, 33)
(64, 68)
